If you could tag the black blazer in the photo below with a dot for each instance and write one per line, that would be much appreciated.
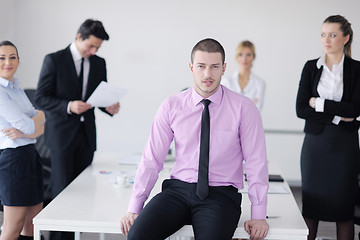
(348, 107)
(58, 84)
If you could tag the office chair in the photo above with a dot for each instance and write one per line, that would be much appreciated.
(44, 153)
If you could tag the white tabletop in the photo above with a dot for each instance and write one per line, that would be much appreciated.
(93, 203)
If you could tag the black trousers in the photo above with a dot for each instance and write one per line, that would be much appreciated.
(215, 217)
(66, 165)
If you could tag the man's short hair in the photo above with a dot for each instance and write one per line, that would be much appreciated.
(93, 27)
(208, 45)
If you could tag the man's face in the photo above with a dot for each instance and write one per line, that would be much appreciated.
(89, 46)
(207, 69)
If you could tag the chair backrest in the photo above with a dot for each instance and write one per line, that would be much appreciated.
(30, 93)
(40, 145)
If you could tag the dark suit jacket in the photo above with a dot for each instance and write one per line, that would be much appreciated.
(348, 107)
(59, 84)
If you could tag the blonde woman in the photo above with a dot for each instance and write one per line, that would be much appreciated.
(244, 81)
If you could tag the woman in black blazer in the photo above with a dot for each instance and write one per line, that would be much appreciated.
(329, 101)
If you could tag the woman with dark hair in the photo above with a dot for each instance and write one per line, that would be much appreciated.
(244, 81)
(21, 184)
(329, 101)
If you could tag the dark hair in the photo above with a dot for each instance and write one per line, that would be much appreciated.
(8, 43)
(93, 27)
(208, 45)
(345, 28)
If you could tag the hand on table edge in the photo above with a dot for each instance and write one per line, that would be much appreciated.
(256, 228)
(127, 221)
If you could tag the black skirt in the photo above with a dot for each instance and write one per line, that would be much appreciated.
(21, 182)
(329, 169)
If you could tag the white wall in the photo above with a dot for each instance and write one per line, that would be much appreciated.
(149, 49)
(7, 19)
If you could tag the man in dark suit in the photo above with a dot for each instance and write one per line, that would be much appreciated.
(67, 79)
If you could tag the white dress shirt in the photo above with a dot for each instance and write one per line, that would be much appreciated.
(77, 61)
(330, 85)
(255, 89)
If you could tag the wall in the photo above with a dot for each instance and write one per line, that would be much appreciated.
(149, 49)
(7, 19)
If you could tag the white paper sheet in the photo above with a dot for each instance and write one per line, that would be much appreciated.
(106, 95)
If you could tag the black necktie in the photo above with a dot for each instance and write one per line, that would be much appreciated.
(202, 189)
(81, 75)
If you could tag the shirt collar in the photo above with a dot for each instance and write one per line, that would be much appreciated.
(6, 83)
(321, 61)
(75, 52)
(214, 98)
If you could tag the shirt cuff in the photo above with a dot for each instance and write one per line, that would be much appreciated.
(319, 105)
(68, 108)
(258, 211)
(28, 128)
(25, 125)
(135, 206)
(336, 120)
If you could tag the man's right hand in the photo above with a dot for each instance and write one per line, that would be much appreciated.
(79, 107)
(256, 228)
(127, 221)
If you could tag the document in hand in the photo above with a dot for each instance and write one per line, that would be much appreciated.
(106, 95)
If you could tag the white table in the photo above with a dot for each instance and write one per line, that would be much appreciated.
(92, 204)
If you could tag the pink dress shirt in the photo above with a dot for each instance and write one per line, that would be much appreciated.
(236, 135)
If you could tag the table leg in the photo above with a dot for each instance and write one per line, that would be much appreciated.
(36, 233)
(77, 235)
(102, 236)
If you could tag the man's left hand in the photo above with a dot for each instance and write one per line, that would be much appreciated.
(257, 228)
(113, 109)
